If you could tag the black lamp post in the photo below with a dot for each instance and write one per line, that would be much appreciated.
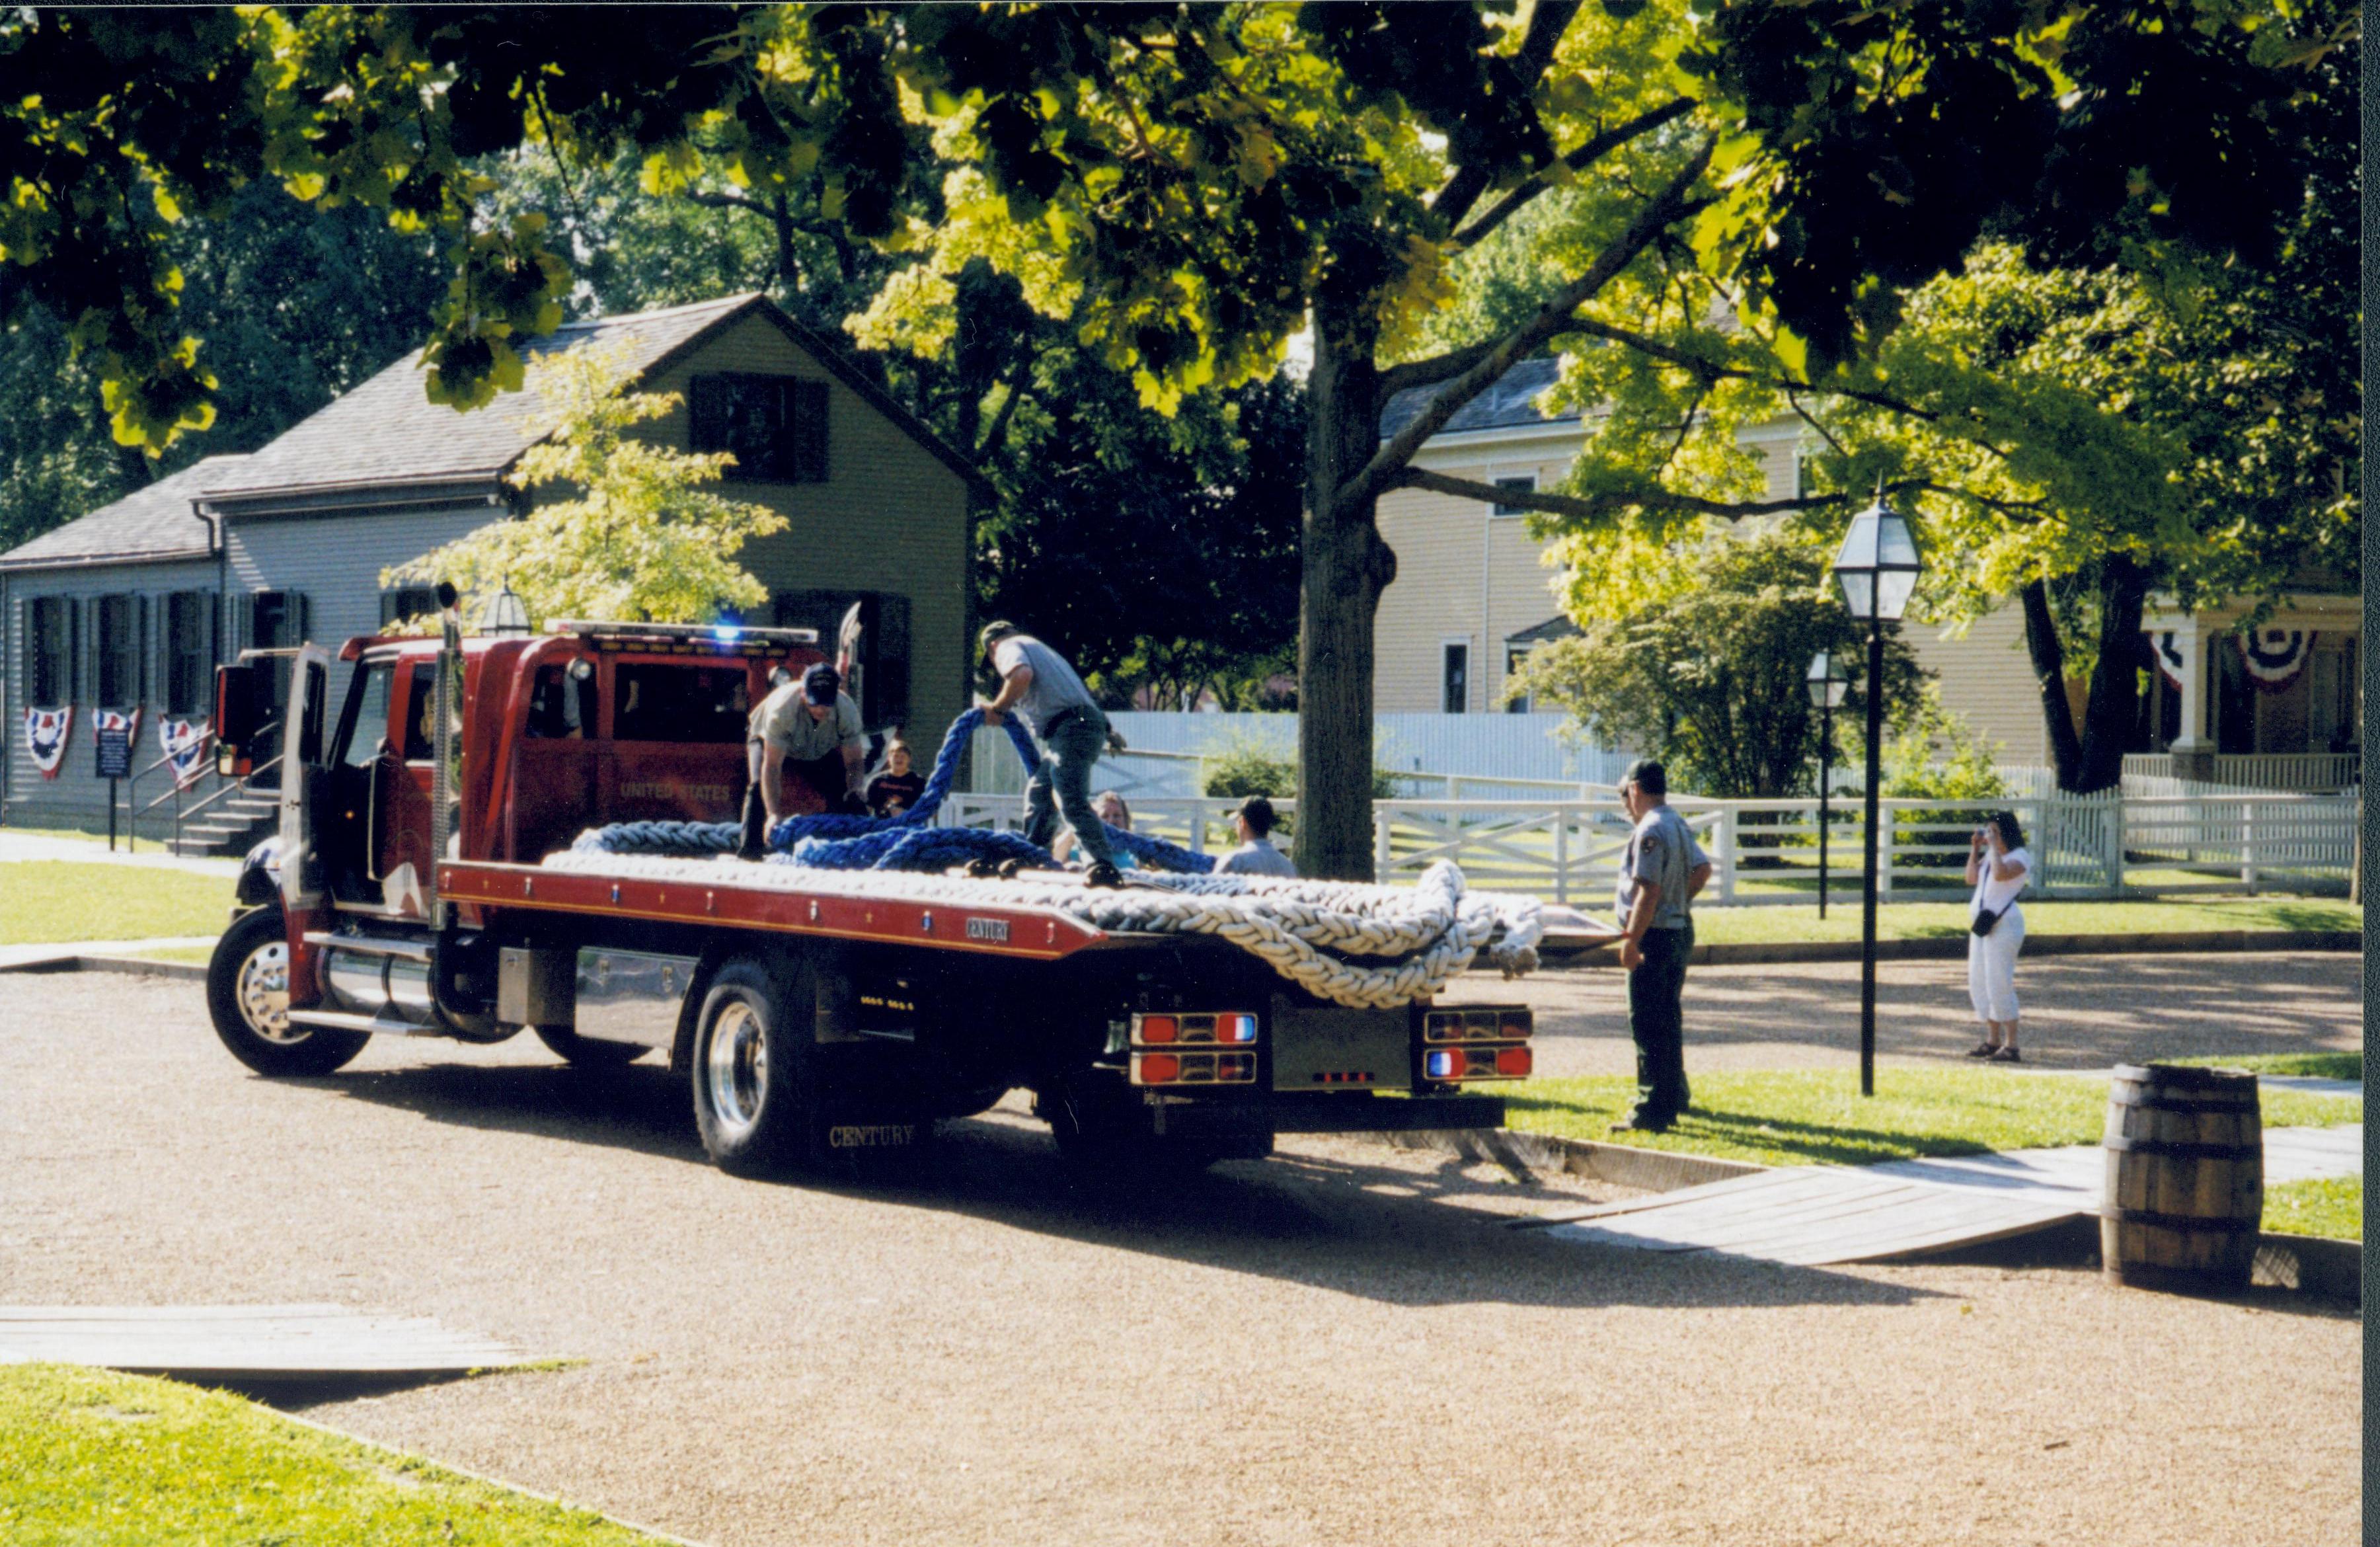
(1878, 569)
(1827, 686)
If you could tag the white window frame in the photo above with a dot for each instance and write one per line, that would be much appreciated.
(1470, 672)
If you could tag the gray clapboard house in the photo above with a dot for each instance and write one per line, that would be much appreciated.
(131, 606)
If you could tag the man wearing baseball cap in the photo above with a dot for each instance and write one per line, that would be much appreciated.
(1660, 873)
(1067, 724)
(808, 728)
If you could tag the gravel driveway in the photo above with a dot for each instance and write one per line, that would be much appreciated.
(1337, 1346)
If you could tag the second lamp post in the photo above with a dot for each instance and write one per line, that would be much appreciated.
(1878, 569)
(1826, 687)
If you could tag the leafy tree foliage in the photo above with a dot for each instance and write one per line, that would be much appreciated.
(1186, 185)
(1708, 670)
(640, 537)
(299, 303)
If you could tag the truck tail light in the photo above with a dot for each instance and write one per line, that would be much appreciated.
(1194, 1068)
(1223, 1028)
(1476, 1041)
(1479, 1023)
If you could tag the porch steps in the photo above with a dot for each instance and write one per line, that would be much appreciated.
(232, 826)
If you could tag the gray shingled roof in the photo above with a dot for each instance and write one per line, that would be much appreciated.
(1552, 629)
(1506, 405)
(386, 432)
(153, 523)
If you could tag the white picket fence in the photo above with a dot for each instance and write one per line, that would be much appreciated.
(1494, 754)
(1765, 852)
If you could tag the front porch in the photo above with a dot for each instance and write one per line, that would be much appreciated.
(2277, 707)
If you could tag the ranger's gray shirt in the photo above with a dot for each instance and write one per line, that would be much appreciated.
(1664, 852)
(1055, 688)
(1256, 856)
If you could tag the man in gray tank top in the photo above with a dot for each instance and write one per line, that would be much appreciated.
(1659, 874)
(1036, 682)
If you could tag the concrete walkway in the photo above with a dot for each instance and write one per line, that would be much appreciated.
(19, 959)
(83, 851)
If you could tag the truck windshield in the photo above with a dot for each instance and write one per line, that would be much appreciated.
(670, 703)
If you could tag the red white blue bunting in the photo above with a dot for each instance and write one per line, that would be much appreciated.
(184, 743)
(45, 737)
(2168, 655)
(105, 720)
(2275, 656)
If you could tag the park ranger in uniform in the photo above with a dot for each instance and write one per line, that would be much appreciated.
(1659, 874)
(1066, 722)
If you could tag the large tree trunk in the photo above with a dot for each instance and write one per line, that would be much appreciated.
(2093, 758)
(2113, 709)
(1344, 567)
(2048, 652)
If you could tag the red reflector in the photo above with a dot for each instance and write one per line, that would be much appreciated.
(1156, 1029)
(1160, 1068)
(1514, 1062)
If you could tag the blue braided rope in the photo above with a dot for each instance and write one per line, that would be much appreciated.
(834, 841)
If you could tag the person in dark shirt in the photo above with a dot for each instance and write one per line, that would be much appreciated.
(895, 789)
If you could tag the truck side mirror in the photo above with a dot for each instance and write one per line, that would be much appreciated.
(243, 702)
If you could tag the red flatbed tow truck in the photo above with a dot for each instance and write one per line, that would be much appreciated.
(816, 1014)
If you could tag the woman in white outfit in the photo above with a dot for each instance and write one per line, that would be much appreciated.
(1998, 868)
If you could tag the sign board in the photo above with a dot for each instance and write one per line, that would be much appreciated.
(116, 752)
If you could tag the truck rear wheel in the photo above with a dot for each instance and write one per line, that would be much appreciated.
(247, 998)
(753, 1096)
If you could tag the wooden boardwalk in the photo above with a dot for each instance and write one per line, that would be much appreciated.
(245, 1343)
(1816, 1216)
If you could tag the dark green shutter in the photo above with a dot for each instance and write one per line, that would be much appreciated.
(809, 415)
(707, 405)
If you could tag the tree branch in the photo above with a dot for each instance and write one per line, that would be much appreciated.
(1585, 155)
(1550, 319)
(997, 431)
(1547, 22)
(1427, 372)
(1647, 345)
(1611, 505)
(729, 202)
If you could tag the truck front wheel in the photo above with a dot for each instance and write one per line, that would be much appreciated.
(750, 1068)
(248, 997)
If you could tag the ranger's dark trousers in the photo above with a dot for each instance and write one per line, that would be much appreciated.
(1657, 1019)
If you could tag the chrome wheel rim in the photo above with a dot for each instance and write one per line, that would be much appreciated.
(737, 1068)
(264, 994)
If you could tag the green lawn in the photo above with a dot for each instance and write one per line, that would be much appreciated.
(1715, 925)
(1817, 1117)
(2321, 1065)
(106, 1460)
(2333, 1207)
(46, 900)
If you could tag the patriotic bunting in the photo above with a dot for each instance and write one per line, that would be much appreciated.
(46, 738)
(2275, 656)
(184, 743)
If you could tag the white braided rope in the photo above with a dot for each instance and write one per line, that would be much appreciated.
(1302, 928)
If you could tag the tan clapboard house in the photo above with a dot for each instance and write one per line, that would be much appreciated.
(128, 608)
(1473, 595)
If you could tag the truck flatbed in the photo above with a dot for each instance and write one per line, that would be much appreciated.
(777, 899)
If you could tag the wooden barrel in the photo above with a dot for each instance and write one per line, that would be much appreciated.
(2185, 1178)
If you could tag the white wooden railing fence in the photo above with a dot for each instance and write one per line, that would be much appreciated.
(1765, 852)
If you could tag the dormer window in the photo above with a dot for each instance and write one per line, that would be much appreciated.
(774, 426)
